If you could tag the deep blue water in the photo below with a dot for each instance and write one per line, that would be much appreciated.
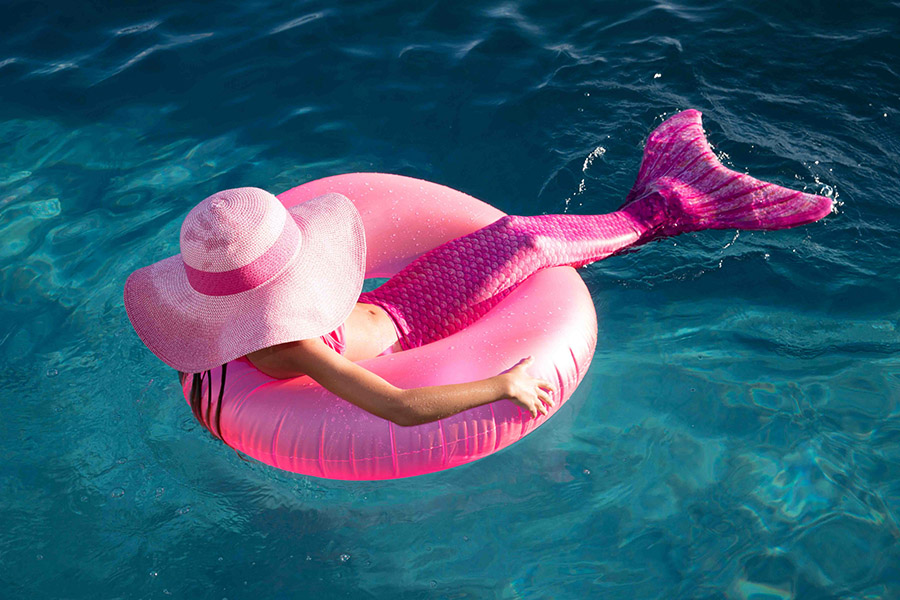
(737, 435)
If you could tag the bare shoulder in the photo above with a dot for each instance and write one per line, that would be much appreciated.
(292, 359)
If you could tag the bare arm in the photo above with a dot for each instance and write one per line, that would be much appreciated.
(404, 407)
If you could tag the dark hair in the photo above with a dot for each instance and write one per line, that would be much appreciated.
(196, 400)
(214, 426)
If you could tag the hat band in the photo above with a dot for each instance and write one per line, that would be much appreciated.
(253, 274)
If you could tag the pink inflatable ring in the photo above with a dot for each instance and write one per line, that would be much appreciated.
(296, 425)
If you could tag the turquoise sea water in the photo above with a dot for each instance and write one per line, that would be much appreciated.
(737, 435)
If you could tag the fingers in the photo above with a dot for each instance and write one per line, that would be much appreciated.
(545, 391)
(542, 400)
(543, 404)
(546, 403)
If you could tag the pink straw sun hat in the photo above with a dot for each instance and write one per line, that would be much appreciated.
(251, 274)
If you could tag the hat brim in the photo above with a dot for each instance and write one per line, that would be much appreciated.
(311, 296)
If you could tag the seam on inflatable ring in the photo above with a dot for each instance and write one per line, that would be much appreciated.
(444, 457)
(278, 432)
(395, 462)
(350, 456)
(575, 364)
(496, 428)
(321, 460)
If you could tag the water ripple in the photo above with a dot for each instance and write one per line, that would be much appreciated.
(737, 434)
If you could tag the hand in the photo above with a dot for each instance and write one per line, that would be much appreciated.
(531, 394)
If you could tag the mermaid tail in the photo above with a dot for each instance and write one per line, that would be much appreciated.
(683, 187)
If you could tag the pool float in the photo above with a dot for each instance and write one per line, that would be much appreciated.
(543, 311)
(298, 426)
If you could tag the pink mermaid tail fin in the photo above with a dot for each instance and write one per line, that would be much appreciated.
(683, 187)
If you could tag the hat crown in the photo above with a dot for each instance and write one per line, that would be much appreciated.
(231, 229)
(284, 274)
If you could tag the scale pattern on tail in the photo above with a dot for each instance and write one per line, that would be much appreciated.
(681, 187)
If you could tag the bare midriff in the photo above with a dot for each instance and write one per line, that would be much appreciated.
(368, 332)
